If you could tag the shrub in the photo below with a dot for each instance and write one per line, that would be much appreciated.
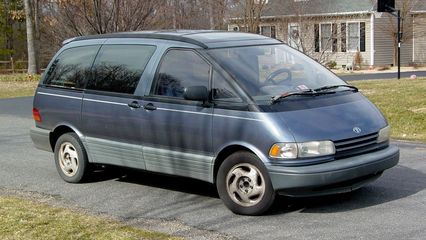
(358, 60)
(331, 64)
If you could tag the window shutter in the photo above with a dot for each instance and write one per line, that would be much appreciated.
(343, 37)
(317, 40)
(334, 36)
(362, 37)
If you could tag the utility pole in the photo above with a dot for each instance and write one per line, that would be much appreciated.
(399, 43)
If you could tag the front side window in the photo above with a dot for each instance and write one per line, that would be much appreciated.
(180, 69)
(118, 68)
(71, 68)
(222, 90)
(266, 71)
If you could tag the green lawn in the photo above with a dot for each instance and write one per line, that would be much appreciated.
(403, 102)
(25, 219)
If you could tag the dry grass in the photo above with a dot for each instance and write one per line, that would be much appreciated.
(26, 219)
(18, 85)
(403, 102)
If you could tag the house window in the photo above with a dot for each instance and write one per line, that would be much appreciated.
(268, 31)
(294, 35)
(353, 37)
(326, 33)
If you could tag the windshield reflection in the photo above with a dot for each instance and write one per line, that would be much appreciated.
(269, 70)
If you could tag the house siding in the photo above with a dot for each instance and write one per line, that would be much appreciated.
(384, 42)
(419, 39)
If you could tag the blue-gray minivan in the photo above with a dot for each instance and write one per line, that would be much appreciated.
(242, 111)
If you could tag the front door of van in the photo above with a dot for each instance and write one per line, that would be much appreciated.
(111, 114)
(177, 135)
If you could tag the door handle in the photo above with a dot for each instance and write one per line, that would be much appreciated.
(150, 107)
(134, 104)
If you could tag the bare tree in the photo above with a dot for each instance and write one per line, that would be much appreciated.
(302, 32)
(217, 13)
(248, 13)
(85, 17)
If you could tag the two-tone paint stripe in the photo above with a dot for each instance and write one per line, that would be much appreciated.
(159, 108)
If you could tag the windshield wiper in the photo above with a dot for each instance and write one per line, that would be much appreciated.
(353, 88)
(312, 92)
(308, 92)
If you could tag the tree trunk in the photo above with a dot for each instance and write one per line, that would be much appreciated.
(37, 32)
(211, 15)
(174, 9)
(32, 60)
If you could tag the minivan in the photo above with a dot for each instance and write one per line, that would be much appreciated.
(242, 111)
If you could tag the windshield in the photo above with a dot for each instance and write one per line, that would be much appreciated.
(270, 70)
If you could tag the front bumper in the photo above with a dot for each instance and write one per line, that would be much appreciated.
(338, 176)
(41, 138)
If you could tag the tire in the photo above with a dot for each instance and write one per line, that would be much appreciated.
(71, 158)
(244, 185)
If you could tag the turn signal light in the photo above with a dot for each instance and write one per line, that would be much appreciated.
(36, 115)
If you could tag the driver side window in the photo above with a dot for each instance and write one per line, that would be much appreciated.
(222, 90)
(180, 69)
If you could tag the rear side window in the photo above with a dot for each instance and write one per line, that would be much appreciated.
(180, 69)
(71, 68)
(118, 68)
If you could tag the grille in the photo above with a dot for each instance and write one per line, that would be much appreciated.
(359, 145)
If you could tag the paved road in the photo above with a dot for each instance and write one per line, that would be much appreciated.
(382, 76)
(394, 207)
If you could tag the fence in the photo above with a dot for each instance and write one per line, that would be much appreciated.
(13, 66)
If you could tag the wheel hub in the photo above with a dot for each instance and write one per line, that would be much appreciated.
(245, 185)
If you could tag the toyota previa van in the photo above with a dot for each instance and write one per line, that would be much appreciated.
(242, 111)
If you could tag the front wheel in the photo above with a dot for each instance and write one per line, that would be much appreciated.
(243, 184)
(71, 158)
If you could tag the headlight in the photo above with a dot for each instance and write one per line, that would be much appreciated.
(283, 150)
(315, 149)
(384, 134)
(302, 150)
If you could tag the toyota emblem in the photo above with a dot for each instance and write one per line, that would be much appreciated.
(357, 130)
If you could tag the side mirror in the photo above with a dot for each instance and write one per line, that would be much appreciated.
(196, 93)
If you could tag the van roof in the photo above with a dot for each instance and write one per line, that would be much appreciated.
(202, 38)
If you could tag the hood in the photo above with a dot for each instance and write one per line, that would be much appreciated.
(329, 117)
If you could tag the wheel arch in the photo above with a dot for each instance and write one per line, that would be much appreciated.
(61, 129)
(232, 148)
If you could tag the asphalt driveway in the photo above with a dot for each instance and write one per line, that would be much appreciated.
(394, 207)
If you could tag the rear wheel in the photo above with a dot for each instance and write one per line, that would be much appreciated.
(243, 184)
(71, 158)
